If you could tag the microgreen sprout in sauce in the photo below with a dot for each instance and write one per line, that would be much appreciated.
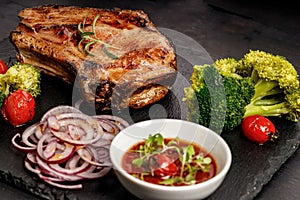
(169, 161)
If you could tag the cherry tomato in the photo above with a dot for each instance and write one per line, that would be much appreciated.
(259, 129)
(3, 67)
(18, 107)
(163, 165)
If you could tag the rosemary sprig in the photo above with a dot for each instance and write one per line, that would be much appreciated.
(90, 38)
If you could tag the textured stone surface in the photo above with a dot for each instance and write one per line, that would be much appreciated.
(223, 30)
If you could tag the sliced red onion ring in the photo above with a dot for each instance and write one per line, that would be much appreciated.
(86, 155)
(63, 136)
(118, 120)
(31, 168)
(45, 166)
(85, 126)
(46, 177)
(109, 127)
(50, 149)
(68, 145)
(100, 153)
(89, 125)
(103, 142)
(76, 132)
(94, 172)
(75, 168)
(73, 162)
(40, 130)
(58, 156)
(28, 133)
(19, 147)
(53, 123)
(59, 110)
(107, 137)
(31, 157)
(63, 186)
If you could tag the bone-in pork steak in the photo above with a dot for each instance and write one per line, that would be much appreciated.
(127, 61)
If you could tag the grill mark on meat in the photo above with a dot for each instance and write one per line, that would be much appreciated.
(47, 37)
(64, 15)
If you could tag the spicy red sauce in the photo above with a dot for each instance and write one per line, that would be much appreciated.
(132, 169)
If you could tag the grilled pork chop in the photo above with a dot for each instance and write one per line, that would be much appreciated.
(115, 56)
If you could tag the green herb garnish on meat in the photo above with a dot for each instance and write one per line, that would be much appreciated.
(89, 38)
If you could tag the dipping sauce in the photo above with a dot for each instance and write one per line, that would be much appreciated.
(169, 161)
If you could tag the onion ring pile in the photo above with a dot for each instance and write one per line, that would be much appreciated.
(66, 146)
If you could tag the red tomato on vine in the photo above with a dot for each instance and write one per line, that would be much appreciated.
(259, 129)
(3, 67)
(18, 107)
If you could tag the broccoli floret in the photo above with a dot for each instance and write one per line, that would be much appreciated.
(25, 77)
(4, 88)
(277, 91)
(217, 101)
(259, 83)
(228, 67)
(2, 97)
(209, 90)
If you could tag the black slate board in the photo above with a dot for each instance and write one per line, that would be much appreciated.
(252, 167)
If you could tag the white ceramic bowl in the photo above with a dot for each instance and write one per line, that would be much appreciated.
(171, 128)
